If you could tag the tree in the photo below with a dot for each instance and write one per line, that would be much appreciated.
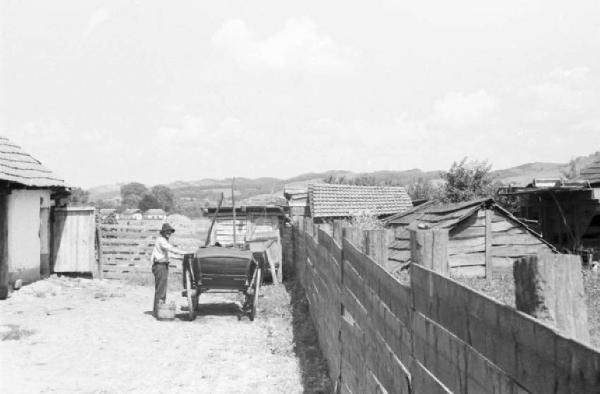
(148, 201)
(79, 196)
(132, 193)
(422, 189)
(572, 172)
(466, 181)
(164, 196)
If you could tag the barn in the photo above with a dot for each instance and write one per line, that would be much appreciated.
(28, 191)
(480, 232)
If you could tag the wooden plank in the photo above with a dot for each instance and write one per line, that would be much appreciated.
(516, 239)
(488, 243)
(519, 250)
(466, 259)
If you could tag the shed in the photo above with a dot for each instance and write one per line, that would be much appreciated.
(333, 201)
(130, 214)
(28, 190)
(258, 226)
(155, 214)
(567, 213)
(480, 232)
(297, 198)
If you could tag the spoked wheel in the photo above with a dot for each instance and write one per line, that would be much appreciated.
(257, 280)
(191, 296)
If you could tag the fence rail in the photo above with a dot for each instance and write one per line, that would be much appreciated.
(126, 250)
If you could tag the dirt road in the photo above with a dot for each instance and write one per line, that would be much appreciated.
(78, 335)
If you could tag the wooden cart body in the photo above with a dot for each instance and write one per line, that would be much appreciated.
(224, 270)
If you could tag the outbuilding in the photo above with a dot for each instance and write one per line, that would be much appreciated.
(328, 202)
(28, 192)
(480, 233)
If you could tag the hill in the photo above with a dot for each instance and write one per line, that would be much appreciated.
(210, 189)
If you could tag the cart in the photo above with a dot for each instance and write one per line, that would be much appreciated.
(222, 270)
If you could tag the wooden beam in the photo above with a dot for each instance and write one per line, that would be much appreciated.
(488, 243)
(3, 247)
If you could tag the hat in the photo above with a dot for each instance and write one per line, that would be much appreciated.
(166, 228)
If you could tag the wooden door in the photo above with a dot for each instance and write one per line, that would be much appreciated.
(73, 240)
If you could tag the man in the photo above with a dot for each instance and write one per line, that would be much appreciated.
(160, 264)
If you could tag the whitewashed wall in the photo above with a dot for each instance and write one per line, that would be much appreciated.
(24, 245)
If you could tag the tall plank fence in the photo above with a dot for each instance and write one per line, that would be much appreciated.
(432, 336)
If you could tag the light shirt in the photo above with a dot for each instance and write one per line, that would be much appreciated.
(162, 247)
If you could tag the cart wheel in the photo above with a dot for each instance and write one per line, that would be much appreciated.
(255, 295)
(191, 296)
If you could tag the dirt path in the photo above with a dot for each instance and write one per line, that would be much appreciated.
(78, 335)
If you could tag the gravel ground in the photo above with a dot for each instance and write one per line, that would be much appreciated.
(98, 336)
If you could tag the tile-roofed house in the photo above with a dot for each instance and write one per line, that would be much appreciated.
(19, 167)
(155, 214)
(28, 192)
(467, 224)
(330, 201)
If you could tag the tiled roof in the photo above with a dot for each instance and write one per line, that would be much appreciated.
(331, 200)
(591, 173)
(20, 167)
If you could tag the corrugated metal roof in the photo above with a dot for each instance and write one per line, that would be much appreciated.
(20, 167)
(591, 173)
(331, 200)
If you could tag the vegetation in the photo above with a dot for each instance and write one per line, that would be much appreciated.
(422, 189)
(361, 180)
(572, 170)
(137, 195)
(132, 193)
(467, 181)
(79, 197)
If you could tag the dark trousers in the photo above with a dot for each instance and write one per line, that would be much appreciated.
(161, 275)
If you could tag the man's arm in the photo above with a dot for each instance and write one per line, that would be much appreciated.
(168, 248)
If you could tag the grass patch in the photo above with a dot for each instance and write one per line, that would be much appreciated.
(315, 373)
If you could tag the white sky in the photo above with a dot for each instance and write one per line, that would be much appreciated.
(155, 91)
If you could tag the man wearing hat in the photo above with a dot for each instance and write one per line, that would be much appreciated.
(160, 264)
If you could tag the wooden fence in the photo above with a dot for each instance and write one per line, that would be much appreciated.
(432, 336)
(125, 250)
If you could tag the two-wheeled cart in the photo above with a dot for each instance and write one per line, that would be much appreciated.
(223, 270)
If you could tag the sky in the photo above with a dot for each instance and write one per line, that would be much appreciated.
(152, 91)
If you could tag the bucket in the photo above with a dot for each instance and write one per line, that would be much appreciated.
(166, 311)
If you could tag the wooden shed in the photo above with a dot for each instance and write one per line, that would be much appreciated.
(480, 233)
(567, 213)
(258, 224)
(28, 192)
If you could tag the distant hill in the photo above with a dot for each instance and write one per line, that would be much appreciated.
(210, 189)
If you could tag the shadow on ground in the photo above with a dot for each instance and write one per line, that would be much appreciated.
(315, 374)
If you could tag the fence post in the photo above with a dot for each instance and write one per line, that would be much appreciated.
(100, 255)
(429, 248)
(376, 246)
(337, 230)
(550, 288)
